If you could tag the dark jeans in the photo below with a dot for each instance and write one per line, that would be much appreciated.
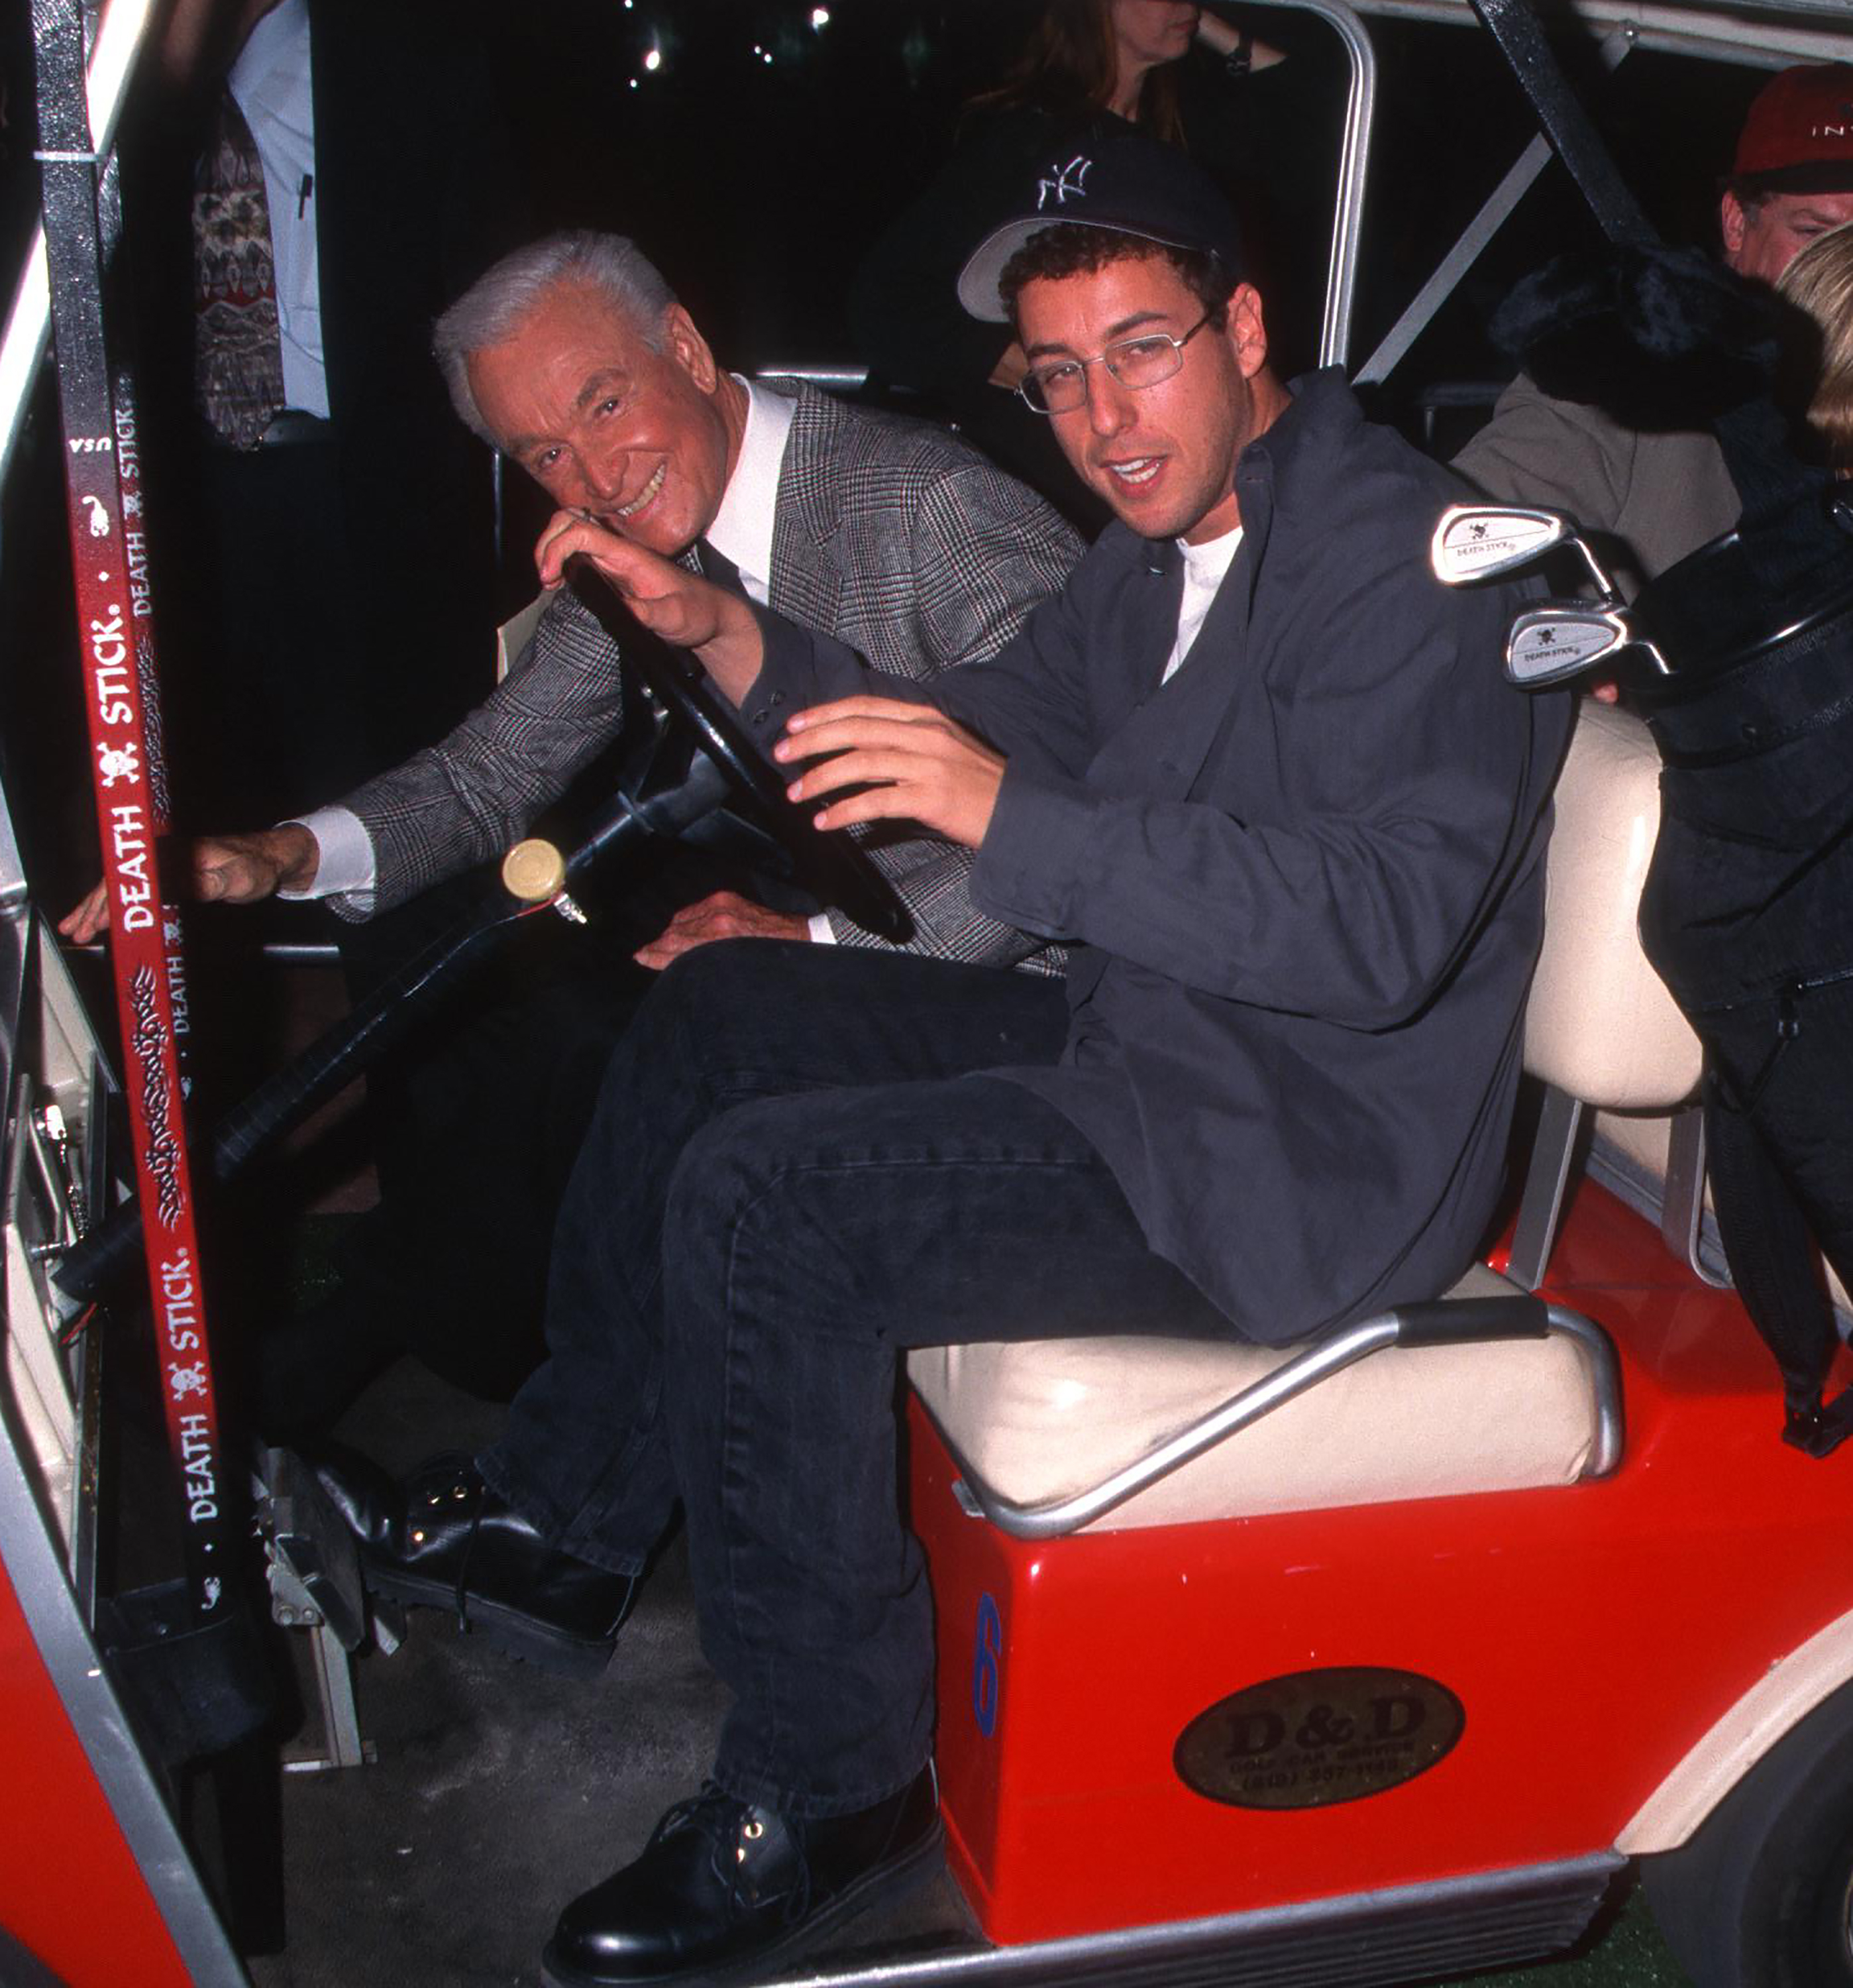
(476, 1123)
(478, 1119)
(791, 1176)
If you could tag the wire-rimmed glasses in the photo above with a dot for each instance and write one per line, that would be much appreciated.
(1059, 386)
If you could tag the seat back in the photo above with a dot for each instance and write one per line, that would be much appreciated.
(1600, 1025)
(515, 633)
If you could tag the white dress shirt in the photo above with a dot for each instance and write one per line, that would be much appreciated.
(742, 530)
(270, 83)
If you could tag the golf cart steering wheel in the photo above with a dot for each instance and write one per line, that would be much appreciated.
(725, 764)
(833, 866)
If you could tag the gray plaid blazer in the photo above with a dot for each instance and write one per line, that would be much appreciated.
(892, 536)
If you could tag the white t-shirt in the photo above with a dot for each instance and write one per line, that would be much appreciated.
(1206, 566)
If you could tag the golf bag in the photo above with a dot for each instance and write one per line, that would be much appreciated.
(1747, 914)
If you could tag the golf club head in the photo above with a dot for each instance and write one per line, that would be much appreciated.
(1558, 639)
(1482, 541)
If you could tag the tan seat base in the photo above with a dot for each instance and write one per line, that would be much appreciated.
(1043, 1419)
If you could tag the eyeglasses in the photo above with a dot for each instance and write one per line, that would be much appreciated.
(1061, 386)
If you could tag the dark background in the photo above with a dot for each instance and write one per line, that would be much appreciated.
(759, 184)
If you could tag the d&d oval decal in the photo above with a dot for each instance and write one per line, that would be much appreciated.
(1316, 1737)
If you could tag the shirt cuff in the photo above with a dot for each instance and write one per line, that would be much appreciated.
(346, 860)
(822, 932)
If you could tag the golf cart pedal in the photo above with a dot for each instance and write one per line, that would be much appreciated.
(315, 1566)
(315, 1586)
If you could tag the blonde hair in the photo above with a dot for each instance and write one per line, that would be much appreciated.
(1820, 281)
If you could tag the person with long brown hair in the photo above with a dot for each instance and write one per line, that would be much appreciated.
(1084, 56)
(1086, 69)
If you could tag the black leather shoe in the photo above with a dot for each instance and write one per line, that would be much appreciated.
(444, 1540)
(724, 1888)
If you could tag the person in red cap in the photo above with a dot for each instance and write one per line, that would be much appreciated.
(1657, 494)
(1792, 179)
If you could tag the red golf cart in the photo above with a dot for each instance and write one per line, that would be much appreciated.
(1378, 1660)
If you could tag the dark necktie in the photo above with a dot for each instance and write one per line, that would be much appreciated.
(237, 342)
(716, 566)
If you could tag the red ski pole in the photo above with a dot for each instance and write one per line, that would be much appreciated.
(115, 619)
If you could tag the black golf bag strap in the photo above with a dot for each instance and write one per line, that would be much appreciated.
(1574, 138)
(1786, 531)
(1764, 1231)
(1788, 545)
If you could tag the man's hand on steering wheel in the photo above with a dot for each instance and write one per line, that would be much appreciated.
(680, 606)
(913, 763)
(724, 914)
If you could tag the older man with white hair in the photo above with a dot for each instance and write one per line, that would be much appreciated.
(573, 358)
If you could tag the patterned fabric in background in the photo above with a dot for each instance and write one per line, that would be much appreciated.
(237, 348)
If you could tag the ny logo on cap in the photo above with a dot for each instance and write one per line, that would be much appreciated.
(1069, 179)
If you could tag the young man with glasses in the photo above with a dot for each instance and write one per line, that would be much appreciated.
(1290, 818)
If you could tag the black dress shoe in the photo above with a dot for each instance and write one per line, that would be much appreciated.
(444, 1540)
(724, 1888)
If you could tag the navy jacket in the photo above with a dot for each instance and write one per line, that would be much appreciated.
(1302, 882)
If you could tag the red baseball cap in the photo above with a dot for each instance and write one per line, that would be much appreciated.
(1798, 137)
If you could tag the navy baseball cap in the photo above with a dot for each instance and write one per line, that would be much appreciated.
(1124, 181)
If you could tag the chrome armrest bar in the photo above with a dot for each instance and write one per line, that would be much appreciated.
(1339, 1350)
(1354, 168)
(1710, 32)
(838, 379)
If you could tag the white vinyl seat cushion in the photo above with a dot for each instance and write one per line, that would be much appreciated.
(1044, 1419)
(1600, 1023)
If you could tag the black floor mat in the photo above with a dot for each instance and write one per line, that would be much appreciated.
(499, 1792)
